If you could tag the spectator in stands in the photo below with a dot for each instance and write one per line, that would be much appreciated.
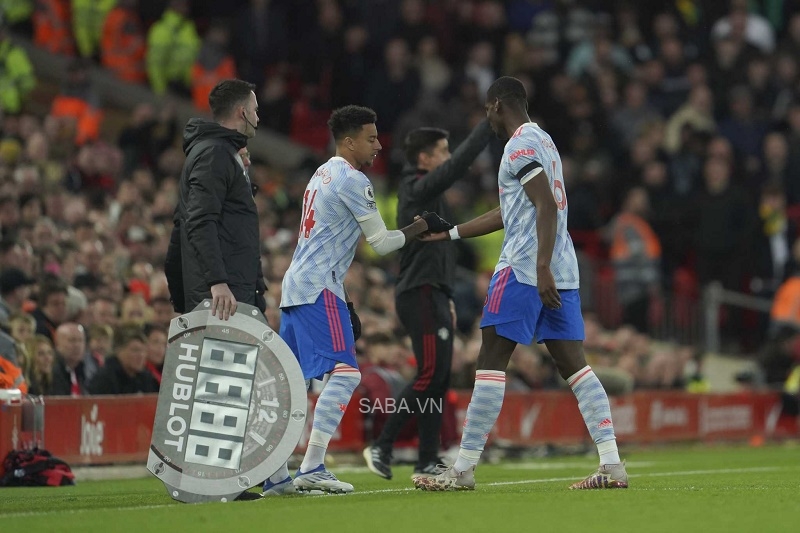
(40, 371)
(598, 53)
(636, 256)
(16, 12)
(134, 310)
(774, 237)
(260, 40)
(775, 163)
(697, 112)
(22, 327)
(742, 128)
(393, 89)
(756, 30)
(8, 347)
(14, 291)
(78, 101)
(52, 27)
(11, 376)
(156, 349)
(123, 45)
(172, 47)
(104, 311)
(88, 18)
(17, 78)
(213, 64)
(786, 306)
(17, 254)
(162, 312)
(724, 226)
(628, 121)
(51, 308)
(69, 368)
(125, 373)
(148, 135)
(101, 343)
(350, 72)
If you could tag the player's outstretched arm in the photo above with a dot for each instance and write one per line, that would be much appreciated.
(383, 240)
(488, 222)
(441, 178)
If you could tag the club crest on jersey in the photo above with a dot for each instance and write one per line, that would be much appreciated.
(369, 194)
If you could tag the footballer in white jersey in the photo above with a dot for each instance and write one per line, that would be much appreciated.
(316, 321)
(533, 295)
(338, 206)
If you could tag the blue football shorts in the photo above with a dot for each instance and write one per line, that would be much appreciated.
(319, 334)
(517, 312)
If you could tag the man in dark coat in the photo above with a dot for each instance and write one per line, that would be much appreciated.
(424, 291)
(125, 372)
(214, 251)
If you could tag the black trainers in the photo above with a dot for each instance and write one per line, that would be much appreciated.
(378, 462)
(248, 496)
(429, 470)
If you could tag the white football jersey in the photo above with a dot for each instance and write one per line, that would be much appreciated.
(336, 199)
(529, 148)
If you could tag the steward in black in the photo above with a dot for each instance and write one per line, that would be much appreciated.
(217, 220)
(433, 263)
(424, 289)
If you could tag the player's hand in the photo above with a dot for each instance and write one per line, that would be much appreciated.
(436, 224)
(434, 237)
(222, 301)
(453, 315)
(355, 321)
(546, 285)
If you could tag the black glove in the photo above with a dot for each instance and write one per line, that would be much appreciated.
(436, 224)
(355, 321)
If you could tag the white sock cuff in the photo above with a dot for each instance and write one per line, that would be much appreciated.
(579, 376)
(319, 438)
(607, 446)
(467, 459)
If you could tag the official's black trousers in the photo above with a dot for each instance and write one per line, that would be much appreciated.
(425, 314)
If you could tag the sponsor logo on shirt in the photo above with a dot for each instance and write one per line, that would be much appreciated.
(519, 153)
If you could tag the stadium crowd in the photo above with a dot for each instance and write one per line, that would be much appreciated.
(678, 124)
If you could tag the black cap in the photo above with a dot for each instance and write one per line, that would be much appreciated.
(14, 278)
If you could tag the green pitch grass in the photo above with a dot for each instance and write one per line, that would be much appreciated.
(697, 488)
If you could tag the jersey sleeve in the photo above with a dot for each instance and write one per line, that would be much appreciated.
(358, 196)
(524, 161)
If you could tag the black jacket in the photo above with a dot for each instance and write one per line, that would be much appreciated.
(112, 379)
(216, 234)
(61, 385)
(433, 263)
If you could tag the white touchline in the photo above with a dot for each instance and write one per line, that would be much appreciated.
(410, 489)
(574, 478)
